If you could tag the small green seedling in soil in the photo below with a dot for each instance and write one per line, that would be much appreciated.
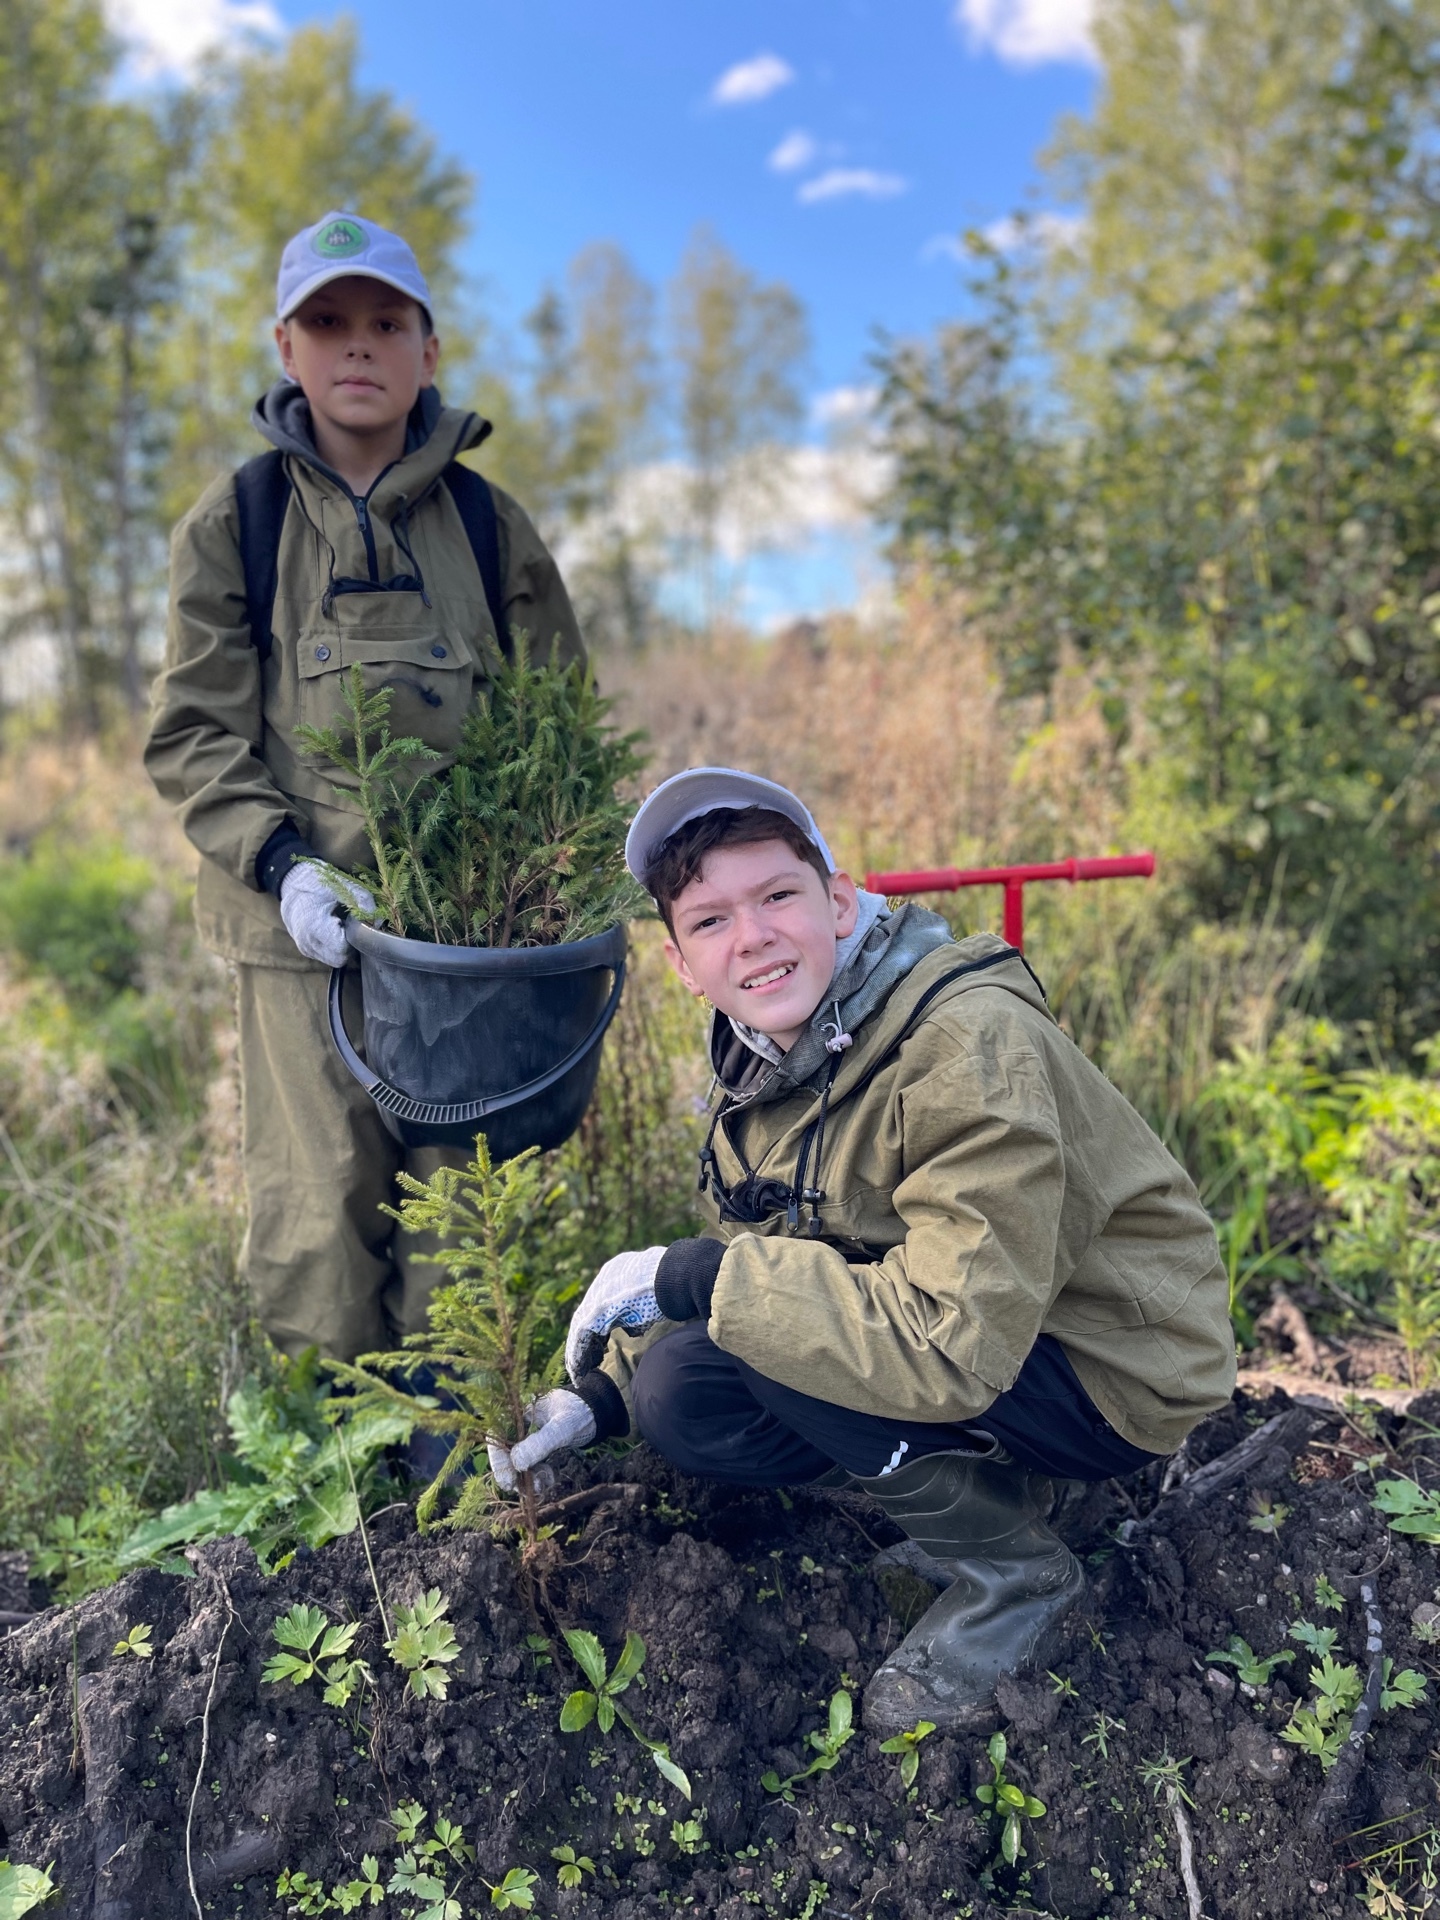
(1062, 1684)
(1326, 1596)
(513, 1891)
(1106, 1726)
(312, 1641)
(22, 1889)
(423, 1641)
(349, 1896)
(418, 1873)
(1166, 1776)
(1251, 1669)
(1403, 1689)
(1319, 1640)
(137, 1642)
(1007, 1802)
(1320, 1728)
(828, 1745)
(1266, 1515)
(1410, 1509)
(573, 1866)
(599, 1701)
(689, 1835)
(907, 1745)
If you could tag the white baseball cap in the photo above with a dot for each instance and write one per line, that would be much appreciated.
(700, 790)
(342, 244)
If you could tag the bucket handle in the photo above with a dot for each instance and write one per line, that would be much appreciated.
(431, 1113)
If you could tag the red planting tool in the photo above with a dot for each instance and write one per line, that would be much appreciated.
(1125, 866)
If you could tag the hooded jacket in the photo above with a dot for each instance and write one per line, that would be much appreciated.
(982, 1183)
(222, 746)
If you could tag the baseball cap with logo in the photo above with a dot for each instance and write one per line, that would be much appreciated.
(341, 244)
(699, 790)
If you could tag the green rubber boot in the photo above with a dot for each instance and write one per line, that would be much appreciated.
(982, 1519)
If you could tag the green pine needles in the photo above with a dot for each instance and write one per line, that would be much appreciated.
(520, 841)
(480, 1343)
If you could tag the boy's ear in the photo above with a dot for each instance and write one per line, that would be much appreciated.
(678, 966)
(431, 360)
(282, 341)
(846, 896)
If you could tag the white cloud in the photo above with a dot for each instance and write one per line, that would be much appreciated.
(752, 80)
(842, 182)
(795, 151)
(844, 406)
(170, 36)
(1028, 32)
(1043, 230)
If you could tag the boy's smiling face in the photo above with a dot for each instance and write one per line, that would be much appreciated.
(362, 352)
(756, 933)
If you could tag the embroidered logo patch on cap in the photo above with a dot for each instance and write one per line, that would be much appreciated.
(338, 240)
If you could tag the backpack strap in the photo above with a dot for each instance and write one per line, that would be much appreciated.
(476, 503)
(262, 494)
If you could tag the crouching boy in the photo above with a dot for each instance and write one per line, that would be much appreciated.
(946, 1261)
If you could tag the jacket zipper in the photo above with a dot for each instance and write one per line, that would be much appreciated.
(362, 516)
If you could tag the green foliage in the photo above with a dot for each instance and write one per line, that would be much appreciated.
(573, 1866)
(1166, 1777)
(136, 1643)
(70, 910)
(347, 1896)
(520, 841)
(1251, 1669)
(829, 1743)
(514, 1890)
(1318, 1640)
(481, 1338)
(1326, 1596)
(907, 1745)
(1006, 1802)
(311, 1642)
(1410, 1509)
(600, 1701)
(1266, 1515)
(1404, 1689)
(22, 1889)
(423, 1644)
(423, 1869)
(1106, 1726)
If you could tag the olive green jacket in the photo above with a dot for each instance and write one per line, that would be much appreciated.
(987, 1185)
(222, 746)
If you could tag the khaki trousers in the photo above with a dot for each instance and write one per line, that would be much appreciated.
(326, 1268)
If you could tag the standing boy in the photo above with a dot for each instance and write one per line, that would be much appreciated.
(377, 568)
(946, 1262)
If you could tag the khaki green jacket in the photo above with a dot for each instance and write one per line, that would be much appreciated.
(222, 746)
(1002, 1188)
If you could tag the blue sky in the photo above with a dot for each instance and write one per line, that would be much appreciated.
(833, 144)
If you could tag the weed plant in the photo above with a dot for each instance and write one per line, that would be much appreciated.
(519, 842)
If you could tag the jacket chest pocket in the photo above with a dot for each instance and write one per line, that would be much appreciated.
(430, 678)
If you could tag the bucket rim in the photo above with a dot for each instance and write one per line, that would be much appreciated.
(605, 949)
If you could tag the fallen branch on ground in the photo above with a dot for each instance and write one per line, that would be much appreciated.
(1287, 1433)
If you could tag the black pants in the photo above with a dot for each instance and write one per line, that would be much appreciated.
(717, 1418)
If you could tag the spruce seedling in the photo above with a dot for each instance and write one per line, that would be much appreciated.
(907, 1745)
(136, 1642)
(423, 1643)
(600, 1701)
(828, 1743)
(520, 841)
(1007, 1802)
(481, 1337)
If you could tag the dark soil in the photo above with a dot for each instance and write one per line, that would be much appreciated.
(754, 1609)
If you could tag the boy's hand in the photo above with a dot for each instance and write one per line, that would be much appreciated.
(557, 1419)
(311, 906)
(622, 1294)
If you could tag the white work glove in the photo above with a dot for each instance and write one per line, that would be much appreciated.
(557, 1419)
(311, 906)
(622, 1294)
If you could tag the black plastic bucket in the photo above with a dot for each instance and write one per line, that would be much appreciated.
(503, 1041)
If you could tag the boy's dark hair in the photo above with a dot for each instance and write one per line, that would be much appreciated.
(678, 860)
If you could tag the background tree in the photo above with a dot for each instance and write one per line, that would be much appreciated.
(738, 347)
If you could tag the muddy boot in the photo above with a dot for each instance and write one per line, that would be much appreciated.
(981, 1518)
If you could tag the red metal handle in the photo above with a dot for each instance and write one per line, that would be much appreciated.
(1124, 866)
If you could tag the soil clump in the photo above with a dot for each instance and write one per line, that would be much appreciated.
(754, 1608)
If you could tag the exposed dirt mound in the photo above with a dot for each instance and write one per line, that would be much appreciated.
(752, 1608)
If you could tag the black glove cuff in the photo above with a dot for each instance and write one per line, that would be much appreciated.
(606, 1403)
(280, 852)
(685, 1278)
